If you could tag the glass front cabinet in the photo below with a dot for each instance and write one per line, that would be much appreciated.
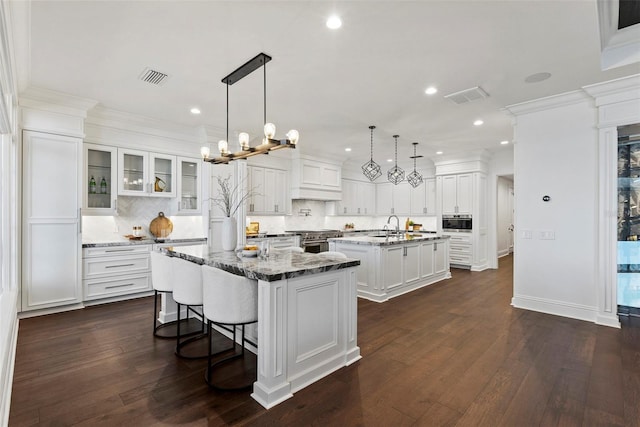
(141, 173)
(99, 197)
(189, 188)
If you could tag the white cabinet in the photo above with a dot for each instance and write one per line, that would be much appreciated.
(52, 197)
(189, 186)
(141, 173)
(460, 249)
(316, 180)
(401, 265)
(358, 198)
(423, 198)
(433, 258)
(278, 242)
(457, 192)
(270, 191)
(393, 199)
(100, 172)
(114, 271)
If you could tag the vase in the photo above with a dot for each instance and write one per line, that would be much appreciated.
(229, 234)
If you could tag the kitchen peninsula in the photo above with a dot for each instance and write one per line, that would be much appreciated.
(396, 264)
(307, 315)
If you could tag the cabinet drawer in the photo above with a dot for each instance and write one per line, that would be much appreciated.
(460, 249)
(101, 288)
(95, 267)
(460, 259)
(459, 238)
(116, 250)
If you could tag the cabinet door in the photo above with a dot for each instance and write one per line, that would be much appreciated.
(418, 200)
(189, 187)
(162, 179)
(393, 266)
(440, 257)
(402, 199)
(366, 194)
(384, 199)
(52, 196)
(449, 190)
(464, 193)
(411, 262)
(257, 183)
(133, 172)
(347, 206)
(430, 196)
(269, 191)
(99, 177)
(427, 255)
(281, 193)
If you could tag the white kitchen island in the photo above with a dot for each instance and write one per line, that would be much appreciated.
(307, 316)
(395, 265)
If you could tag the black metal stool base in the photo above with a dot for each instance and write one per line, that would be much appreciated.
(169, 330)
(246, 384)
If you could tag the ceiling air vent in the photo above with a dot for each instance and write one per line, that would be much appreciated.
(153, 76)
(467, 95)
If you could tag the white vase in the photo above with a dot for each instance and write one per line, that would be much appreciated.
(229, 235)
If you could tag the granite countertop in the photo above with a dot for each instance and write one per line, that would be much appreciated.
(277, 266)
(144, 241)
(391, 240)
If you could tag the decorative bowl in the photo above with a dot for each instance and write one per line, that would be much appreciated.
(252, 253)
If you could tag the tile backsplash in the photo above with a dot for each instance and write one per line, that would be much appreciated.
(139, 211)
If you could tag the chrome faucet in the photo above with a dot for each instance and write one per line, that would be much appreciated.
(385, 228)
(397, 222)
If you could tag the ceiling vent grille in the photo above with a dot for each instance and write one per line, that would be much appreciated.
(468, 95)
(153, 76)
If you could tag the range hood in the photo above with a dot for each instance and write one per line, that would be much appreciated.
(315, 180)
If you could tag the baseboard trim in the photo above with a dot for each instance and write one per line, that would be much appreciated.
(10, 337)
(558, 308)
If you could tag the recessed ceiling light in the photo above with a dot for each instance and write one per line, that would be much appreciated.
(347, 149)
(438, 152)
(389, 160)
(504, 142)
(334, 22)
(195, 110)
(478, 122)
(431, 90)
(537, 77)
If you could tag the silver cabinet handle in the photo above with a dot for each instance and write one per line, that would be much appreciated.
(435, 247)
(119, 250)
(345, 210)
(115, 204)
(424, 210)
(117, 266)
(80, 220)
(119, 286)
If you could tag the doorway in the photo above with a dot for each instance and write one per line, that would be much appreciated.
(505, 215)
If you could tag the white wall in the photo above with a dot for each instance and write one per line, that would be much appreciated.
(556, 155)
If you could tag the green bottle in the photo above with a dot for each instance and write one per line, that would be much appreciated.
(92, 185)
(103, 186)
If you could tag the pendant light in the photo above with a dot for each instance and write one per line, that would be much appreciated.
(396, 174)
(371, 169)
(414, 178)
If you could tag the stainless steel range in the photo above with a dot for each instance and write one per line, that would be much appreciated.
(315, 241)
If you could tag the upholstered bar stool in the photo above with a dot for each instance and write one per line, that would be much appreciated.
(187, 291)
(162, 281)
(229, 300)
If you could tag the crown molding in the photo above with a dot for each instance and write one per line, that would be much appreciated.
(618, 90)
(549, 102)
(59, 102)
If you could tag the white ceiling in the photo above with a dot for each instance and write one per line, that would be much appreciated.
(329, 84)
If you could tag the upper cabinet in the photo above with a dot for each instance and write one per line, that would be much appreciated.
(99, 197)
(141, 173)
(393, 199)
(270, 195)
(423, 198)
(189, 186)
(457, 191)
(358, 198)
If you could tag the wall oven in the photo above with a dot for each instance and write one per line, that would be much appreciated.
(457, 223)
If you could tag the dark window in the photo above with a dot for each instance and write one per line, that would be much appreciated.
(629, 13)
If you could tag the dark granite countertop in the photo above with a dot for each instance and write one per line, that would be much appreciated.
(277, 266)
(263, 235)
(388, 241)
(146, 241)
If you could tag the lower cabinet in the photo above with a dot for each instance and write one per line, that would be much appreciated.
(460, 249)
(279, 242)
(115, 271)
(401, 265)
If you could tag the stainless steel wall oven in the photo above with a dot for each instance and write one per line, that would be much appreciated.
(457, 223)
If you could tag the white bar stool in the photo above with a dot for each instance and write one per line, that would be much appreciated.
(228, 300)
(162, 282)
(187, 291)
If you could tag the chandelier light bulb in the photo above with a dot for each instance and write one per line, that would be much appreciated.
(243, 138)
(293, 136)
(204, 152)
(269, 130)
(223, 146)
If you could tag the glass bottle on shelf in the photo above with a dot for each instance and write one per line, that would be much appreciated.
(92, 185)
(103, 186)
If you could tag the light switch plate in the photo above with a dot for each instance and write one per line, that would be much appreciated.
(547, 235)
(526, 234)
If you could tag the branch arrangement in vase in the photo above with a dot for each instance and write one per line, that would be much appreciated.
(230, 197)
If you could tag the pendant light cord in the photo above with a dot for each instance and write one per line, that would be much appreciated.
(372, 128)
(264, 97)
(396, 138)
(227, 113)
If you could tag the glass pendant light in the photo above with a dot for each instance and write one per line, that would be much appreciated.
(414, 178)
(243, 139)
(396, 174)
(371, 169)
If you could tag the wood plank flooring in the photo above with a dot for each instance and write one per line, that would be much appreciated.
(451, 354)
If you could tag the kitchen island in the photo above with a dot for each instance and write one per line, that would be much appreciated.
(307, 315)
(394, 265)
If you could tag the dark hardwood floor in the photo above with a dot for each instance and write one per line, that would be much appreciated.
(451, 354)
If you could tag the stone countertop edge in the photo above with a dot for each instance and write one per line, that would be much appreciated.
(143, 242)
(262, 236)
(384, 241)
(275, 268)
